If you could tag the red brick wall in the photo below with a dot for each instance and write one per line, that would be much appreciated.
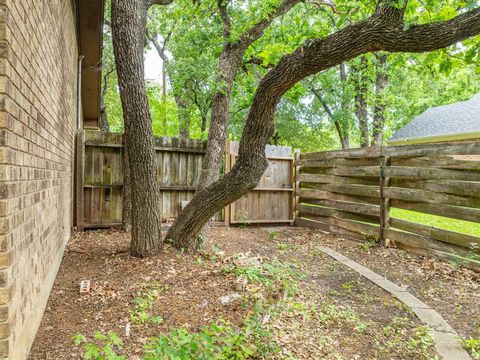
(38, 62)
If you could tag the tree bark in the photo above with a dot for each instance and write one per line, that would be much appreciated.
(230, 61)
(103, 123)
(383, 31)
(129, 20)
(361, 108)
(381, 82)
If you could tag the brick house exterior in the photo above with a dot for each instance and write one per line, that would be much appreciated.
(40, 43)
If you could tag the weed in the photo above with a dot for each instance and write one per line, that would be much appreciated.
(422, 341)
(102, 347)
(370, 242)
(472, 345)
(218, 340)
(144, 302)
(347, 287)
(269, 274)
(333, 315)
(282, 247)
(272, 234)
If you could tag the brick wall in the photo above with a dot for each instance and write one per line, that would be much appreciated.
(38, 62)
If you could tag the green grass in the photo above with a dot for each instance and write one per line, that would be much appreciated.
(465, 227)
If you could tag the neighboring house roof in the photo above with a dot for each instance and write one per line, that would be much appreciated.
(459, 121)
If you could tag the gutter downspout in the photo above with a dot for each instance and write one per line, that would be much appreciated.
(79, 92)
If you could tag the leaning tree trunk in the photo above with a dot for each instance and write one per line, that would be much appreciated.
(381, 83)
(129, 19)
(383, 31)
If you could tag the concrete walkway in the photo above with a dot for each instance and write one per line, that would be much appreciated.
(444, 335)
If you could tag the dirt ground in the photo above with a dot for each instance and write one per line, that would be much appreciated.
(335, 314)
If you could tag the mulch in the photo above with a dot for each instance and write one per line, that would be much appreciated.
(193, 285)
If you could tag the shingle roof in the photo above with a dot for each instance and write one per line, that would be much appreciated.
(453, 119)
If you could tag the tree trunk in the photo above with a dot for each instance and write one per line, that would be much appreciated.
(103, 123)
(383, 31)
(381, 83)
(129, 19)
(230, 61)
(183, 117)
(342, 134)
(361, 109)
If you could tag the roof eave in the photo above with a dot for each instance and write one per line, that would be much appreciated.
(435, 139)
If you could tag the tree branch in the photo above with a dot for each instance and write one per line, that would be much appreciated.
(256, 31)
(227, 25)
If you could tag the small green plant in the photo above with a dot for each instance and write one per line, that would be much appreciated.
(347, 287)
(282, 247)
(472, 345)
(242, 216)
(421, 341)
(273, 234)
(102, 347)
(219, 340)
(370, 242)
(143, 303)
(269, 274)
(331, 314)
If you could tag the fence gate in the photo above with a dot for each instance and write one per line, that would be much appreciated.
(272, 201)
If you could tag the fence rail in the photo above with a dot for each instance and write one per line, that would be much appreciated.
(351, 192)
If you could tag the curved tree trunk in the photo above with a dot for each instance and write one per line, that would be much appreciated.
(383, 31)
(129, 18)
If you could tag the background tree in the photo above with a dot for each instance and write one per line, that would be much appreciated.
(385, 30)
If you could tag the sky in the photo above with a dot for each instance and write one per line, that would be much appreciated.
(153, 66)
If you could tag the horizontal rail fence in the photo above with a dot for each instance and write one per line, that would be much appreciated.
(99, 181)
(272, 200)
(351, 193)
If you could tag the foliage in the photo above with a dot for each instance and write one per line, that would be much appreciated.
(472, 345)
(192, 34)
(102, 347)
(144, 301)
(273, 274)
(218, 340)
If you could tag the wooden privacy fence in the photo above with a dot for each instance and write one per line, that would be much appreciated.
(99, 181)
(351, 192)
(272, 200)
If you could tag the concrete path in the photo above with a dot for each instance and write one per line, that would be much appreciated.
(445, 337)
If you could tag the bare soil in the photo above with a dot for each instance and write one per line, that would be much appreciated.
(335, 314)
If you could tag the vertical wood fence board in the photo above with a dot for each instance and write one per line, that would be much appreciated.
(272, 200)
(179, 164)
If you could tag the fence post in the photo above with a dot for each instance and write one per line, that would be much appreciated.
(228, 167)
(296, 185)
(384, 201)
(79, 160)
